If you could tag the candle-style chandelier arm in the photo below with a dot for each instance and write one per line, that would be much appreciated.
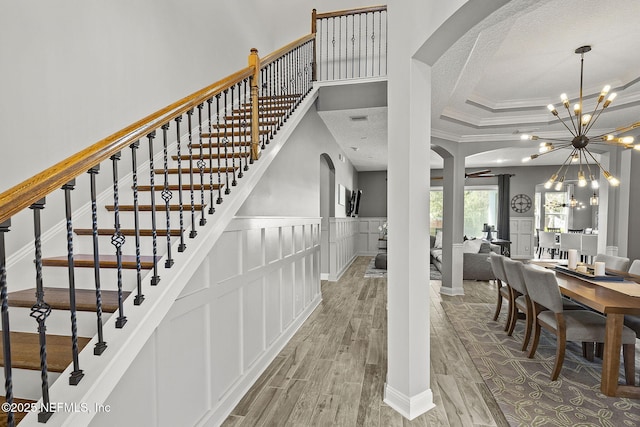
(565, 102)
(535, 156)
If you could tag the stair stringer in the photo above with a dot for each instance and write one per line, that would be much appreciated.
(103, 373)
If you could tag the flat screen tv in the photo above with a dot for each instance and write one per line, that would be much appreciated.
(355, 197)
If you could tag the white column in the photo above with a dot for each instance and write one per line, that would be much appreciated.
(407, 387)
(453, 225)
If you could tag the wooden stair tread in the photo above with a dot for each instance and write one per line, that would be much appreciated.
(223, 134)
(18, 416)
(214, 155)
(58, 299)
(175, 187)
(126, 231)
(25, 351)
(106, 261)
(197, 170)
(214, 145)
(160, 206)
(273, 111)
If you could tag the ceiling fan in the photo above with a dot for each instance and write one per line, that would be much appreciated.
(484, 173)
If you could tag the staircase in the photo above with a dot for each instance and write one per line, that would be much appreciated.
(158, 212)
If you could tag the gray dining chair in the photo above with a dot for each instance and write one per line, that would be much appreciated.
(522, 302)
(571, 325)
(613, 262)
(504, 292)
(635, 267)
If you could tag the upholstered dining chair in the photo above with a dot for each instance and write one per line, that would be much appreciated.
(547, 241)
(520, 301)
(613, 262)
(635, 267)
(569, 241)
(571, 325)
(504, 292)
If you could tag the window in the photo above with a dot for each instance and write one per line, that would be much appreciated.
(556, 211)
(480, 207)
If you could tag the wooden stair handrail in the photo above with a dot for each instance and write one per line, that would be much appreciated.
(355, 11)
(37, 187)
(285, 49)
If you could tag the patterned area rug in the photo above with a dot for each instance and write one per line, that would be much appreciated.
(521, 386)
(372, 271)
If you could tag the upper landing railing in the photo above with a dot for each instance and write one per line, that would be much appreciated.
(350, 44)
(205, 143)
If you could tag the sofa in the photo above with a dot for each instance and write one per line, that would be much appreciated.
(475, 265)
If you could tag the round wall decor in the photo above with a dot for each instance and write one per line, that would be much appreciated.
(521, 203)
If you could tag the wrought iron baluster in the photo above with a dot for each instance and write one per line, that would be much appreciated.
(77, 374)
(333, 51)
(101, 345)
(233, 131)
(212, 208)
(353, 45)
(155, 279)
(136, 222)
(339, 46)
(166, 193)
(225, 141)
(182, 246)
(242, 127)
(359, 45)
(201, 165)
(41, 310)
(245, 126)
(193, 233)
(380, 44)
(366, 42)
(117, 240)
(219, 200)
(6, 330)
(154, 229)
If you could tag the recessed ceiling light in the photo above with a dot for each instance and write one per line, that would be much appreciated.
(355, 148)
(359, 118)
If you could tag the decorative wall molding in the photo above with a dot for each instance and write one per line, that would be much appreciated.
(369, 235)
(343, 234)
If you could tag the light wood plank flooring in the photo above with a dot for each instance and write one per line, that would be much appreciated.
(332, 372)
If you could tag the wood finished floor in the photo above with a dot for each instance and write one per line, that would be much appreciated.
(332, 372)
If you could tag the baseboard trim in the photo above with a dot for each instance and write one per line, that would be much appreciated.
(445, 290)
(408, 406)
(336, 277)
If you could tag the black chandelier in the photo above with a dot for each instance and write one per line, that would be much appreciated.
(578, 124)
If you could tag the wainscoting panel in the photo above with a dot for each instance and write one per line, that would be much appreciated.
(521, 235)
(369, 235)
(343, 233)
(251, 294)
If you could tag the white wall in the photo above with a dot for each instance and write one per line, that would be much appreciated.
(291, 186)
(254, 290)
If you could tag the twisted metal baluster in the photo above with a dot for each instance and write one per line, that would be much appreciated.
(136, 221)
(77, 374)
(242, 133)
(225, 140)
(201, 165)
(101, 345)
(219, 200)
(233, 131)
(154, 230)
(6, 330)
(193, 233)
(182, 246)
(212, 208)
(40, 311)
(167, 194)
(117, 240)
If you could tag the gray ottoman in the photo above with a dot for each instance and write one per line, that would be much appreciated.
(381, 261)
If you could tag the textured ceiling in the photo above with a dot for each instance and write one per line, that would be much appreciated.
(495, 82)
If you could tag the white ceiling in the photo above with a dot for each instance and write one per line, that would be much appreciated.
(496, 81)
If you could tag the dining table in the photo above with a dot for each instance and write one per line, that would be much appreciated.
(613, 299)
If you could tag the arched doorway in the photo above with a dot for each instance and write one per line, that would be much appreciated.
(327, 209)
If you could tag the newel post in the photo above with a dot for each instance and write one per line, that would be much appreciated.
(313, 31)
(254, 61)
